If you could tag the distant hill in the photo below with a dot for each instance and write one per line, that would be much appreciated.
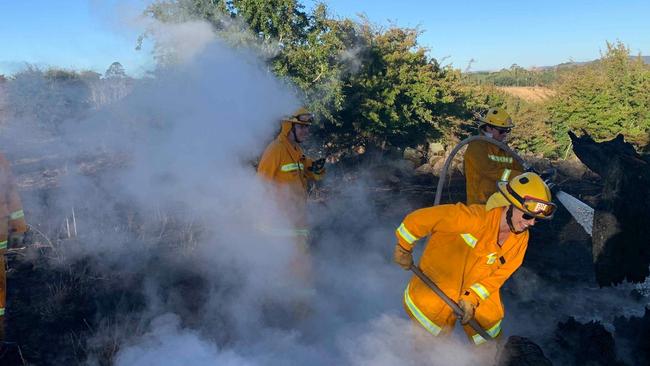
(646, 60)
(518, 76)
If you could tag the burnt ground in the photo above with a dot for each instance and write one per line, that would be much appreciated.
(57, 306)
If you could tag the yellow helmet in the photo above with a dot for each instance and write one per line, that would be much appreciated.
(529, 193)
(497, 117)
(301, 116)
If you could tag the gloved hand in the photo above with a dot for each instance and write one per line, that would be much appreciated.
(318, 166)
(530, 169)
(468, 311)
(403, 257)
(15, 239)
(548, 174)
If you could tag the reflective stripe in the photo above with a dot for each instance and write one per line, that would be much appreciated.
(500, 159)
(16, 215)
(421, 318)
(493, 332)
(492, 257)
(505, 175)
(469, 239)
(291, 167)
(2, 311)
(406, 234)
(3, 244)
(480, 290)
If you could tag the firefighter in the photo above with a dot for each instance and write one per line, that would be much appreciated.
(286, 167)
(12, 229)
(471, 252)
(485, 163)
(288, 171)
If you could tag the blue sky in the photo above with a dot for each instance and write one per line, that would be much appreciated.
(91, 34)
(74, 34)
(498, 34)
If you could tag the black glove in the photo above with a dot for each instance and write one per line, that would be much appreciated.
(548, 174)
(530, 169)
(16, 239)
(318, 166)
(553, 187)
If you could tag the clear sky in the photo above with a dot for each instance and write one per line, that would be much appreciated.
(499, 33)
(91, 34)
(73, 34)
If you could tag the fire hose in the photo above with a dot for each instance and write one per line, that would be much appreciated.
(456, 309)
(443, 172)
(581, 212)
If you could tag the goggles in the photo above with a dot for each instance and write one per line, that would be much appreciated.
(533, 207)
(502, 129)
(305, 117)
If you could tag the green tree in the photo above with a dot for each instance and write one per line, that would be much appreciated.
(281, 20)
(115, 71)
(177, 11)
(367, 84)
(531, 133)
(400, 96)
(608, 97)
(48, 98)
(515, 76)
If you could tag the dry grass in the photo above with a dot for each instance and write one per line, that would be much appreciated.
(532, 94)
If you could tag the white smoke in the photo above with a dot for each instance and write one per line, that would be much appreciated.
(181, 42)
(179, 190)
(178, 183)
(390, 340)
(168, 344)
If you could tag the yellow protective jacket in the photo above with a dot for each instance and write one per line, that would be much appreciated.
(285, 165)
(485, 165)
(462, 257)
(12, 218)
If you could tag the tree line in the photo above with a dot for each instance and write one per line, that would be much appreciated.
(377, 87)
(50, 97)
(516, 75)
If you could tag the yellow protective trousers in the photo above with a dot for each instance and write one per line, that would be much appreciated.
(463, 258)
(12, 220)
(438, 319)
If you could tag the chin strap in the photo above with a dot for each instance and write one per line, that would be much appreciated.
(293, 131)
(509, 220)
